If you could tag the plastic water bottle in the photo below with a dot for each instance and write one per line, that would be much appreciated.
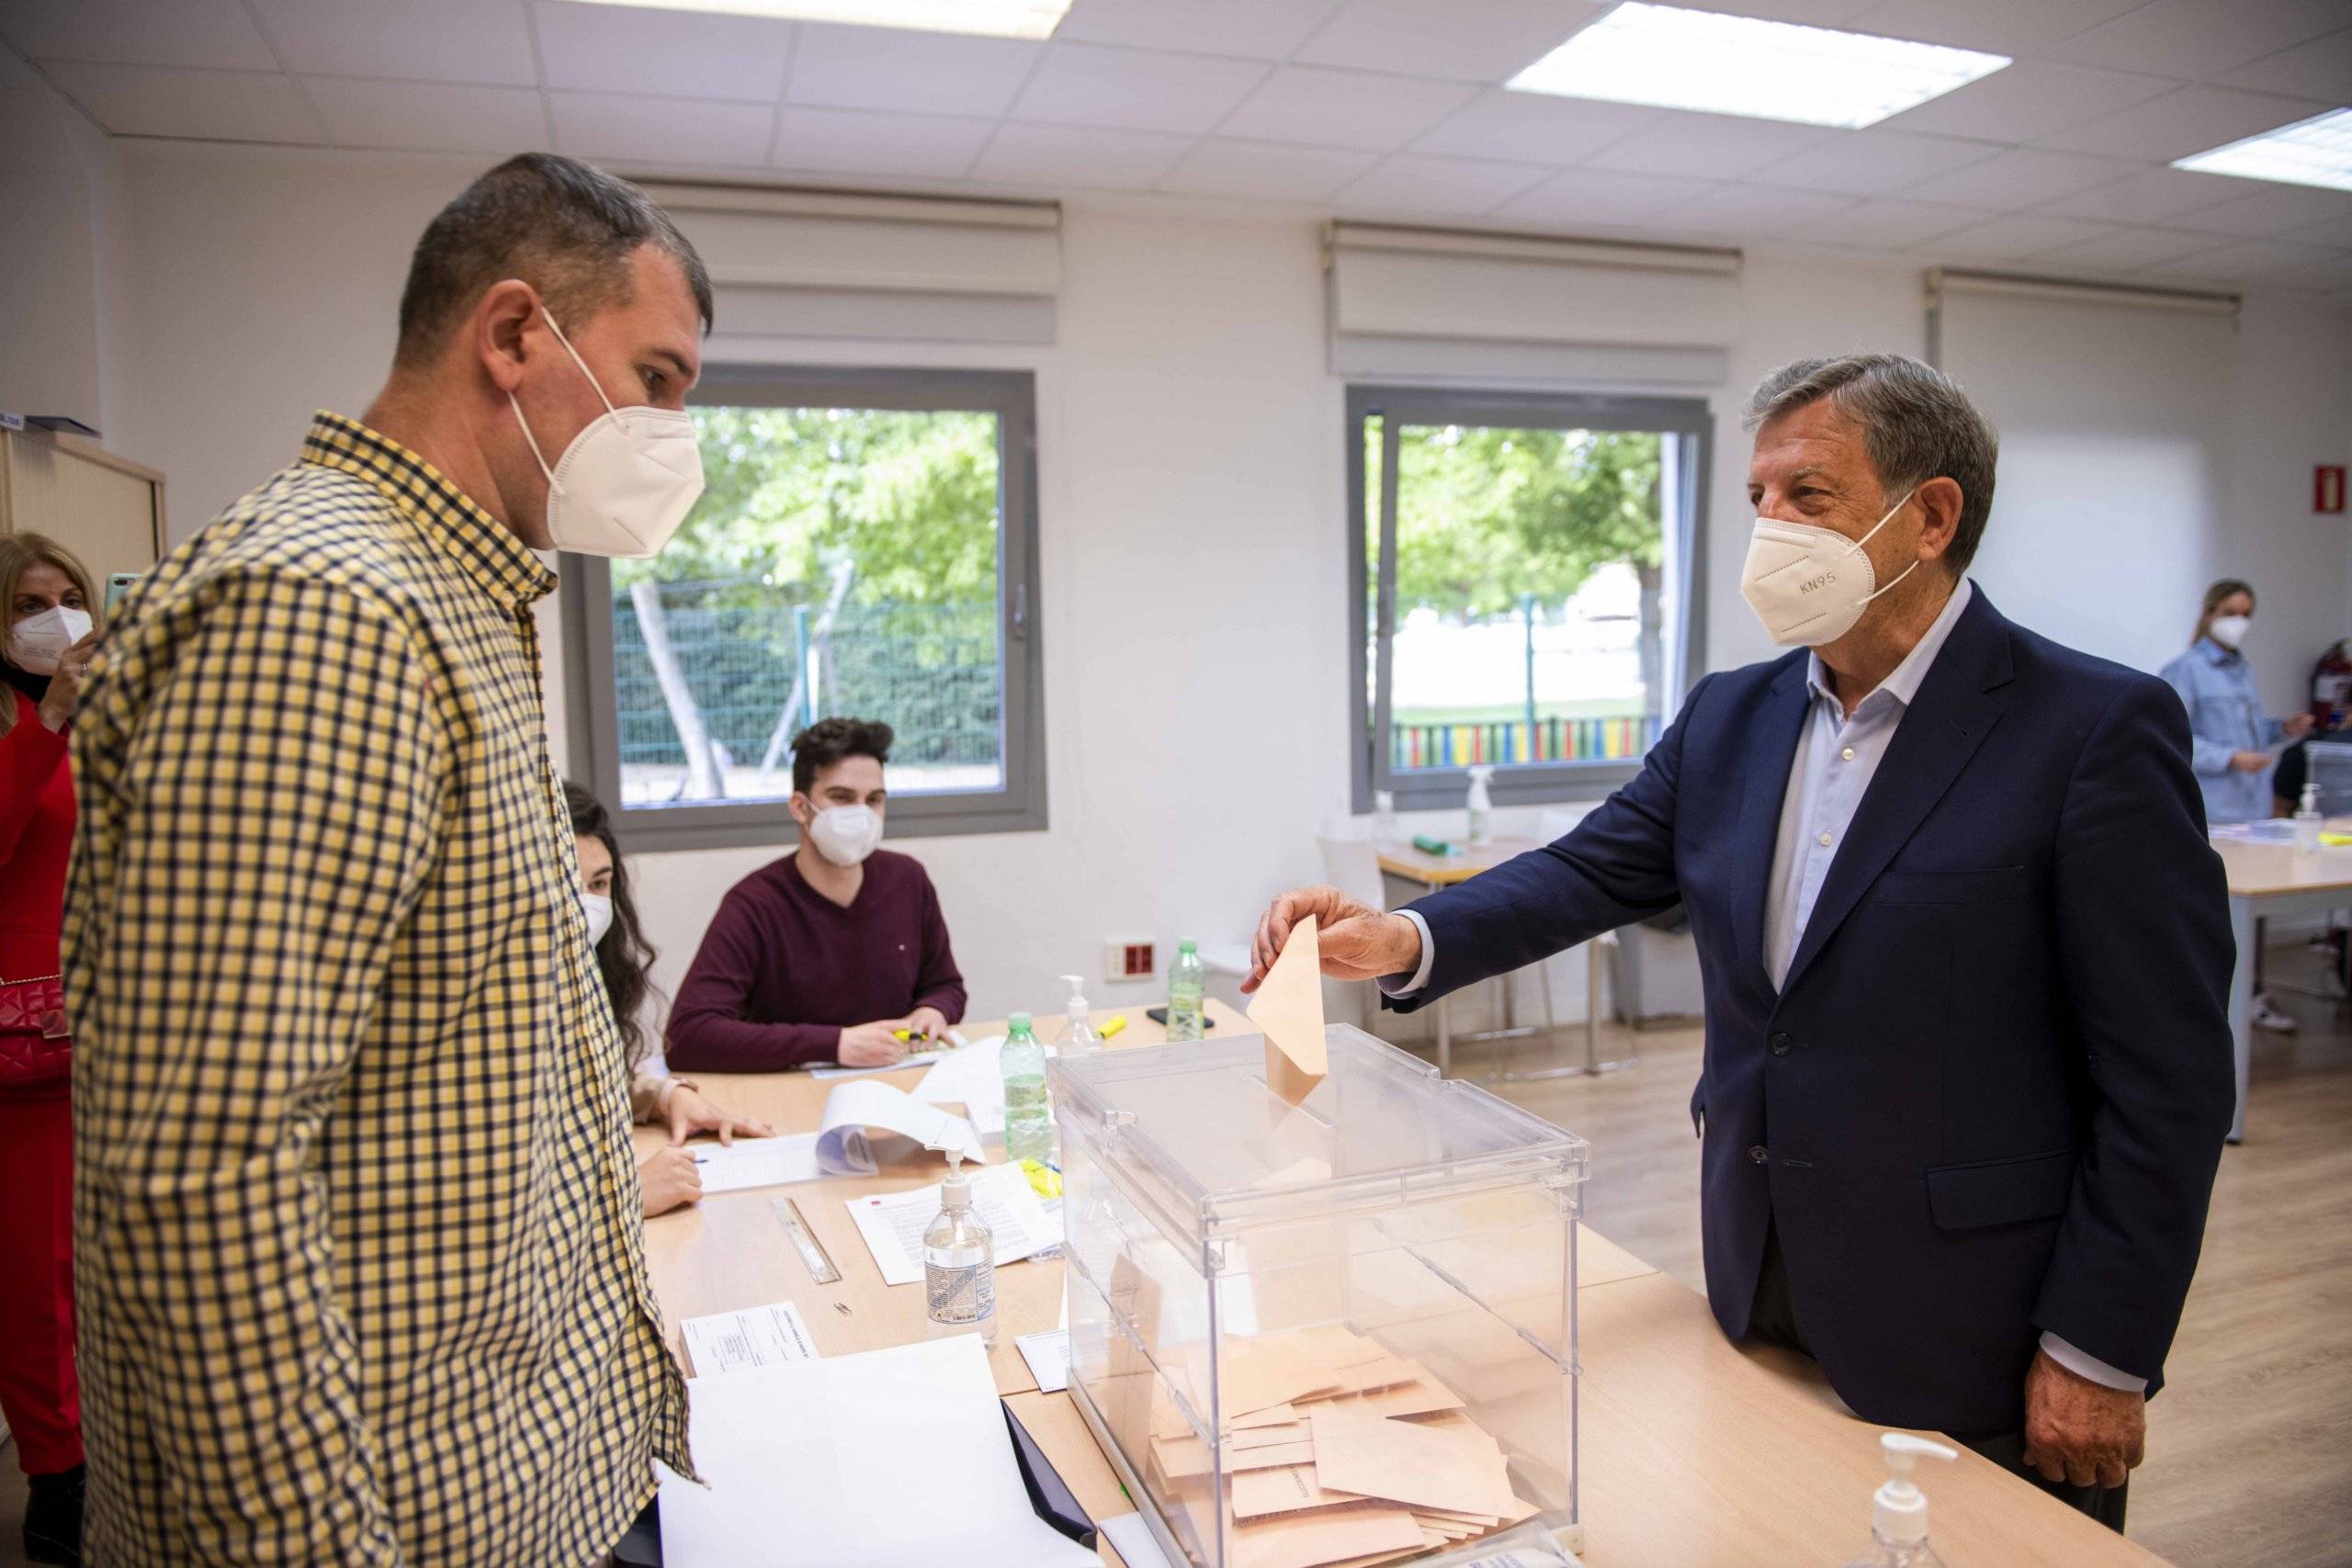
(959, 1262)
(1187, 979)
(1028, 1121)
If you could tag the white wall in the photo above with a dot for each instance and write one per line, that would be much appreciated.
(61, 253)
(1190, 496)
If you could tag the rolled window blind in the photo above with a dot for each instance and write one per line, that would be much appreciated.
(851, 265)
(1457, 304)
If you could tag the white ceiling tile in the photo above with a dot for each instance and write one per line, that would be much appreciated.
(1084, 83)
(884, 68)
(2125, 250)
(1751, 211)
(1424, 184)
(1706, 146)
(1535, 127)
(856, 141)
(2188, 120)
(2270, 209)
(1804, 13)
(2015, 238)
(439, 115)
(1596, 197)
(1470, 40)
(2028, 100)
(2334, 232)
(1344, 108)
(628, 48)
(1894, 225)
(430, 40)
(659, 131)
(1266, 171)
(1872, 163)
(215, 34)
(219, 105)
(2196, 38)
(2320, 69)
(1998, 26)
(1056, 155)
(2022, 177)
(2153, 195)
(2248, 259)
(1262, 30)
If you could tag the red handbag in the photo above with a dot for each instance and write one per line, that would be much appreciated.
(35, 1048)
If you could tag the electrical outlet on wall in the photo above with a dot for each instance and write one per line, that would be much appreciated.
(1129, 958)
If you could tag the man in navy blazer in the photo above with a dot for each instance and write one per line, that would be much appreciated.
(1966, 953)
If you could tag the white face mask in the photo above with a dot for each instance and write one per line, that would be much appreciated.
(1809, 584)
(2228, 630)
(599, 910)
(625, 482)
(845, 835)
(36, 643)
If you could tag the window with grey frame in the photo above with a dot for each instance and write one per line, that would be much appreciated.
(1525, 588)
(866, 546)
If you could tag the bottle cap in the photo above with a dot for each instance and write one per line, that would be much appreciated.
(956, 1192)
(1018, 1021)
(1900, 1510)
(1076, 984)
(1188, 945)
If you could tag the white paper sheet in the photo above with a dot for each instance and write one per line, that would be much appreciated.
(1048, 1357)
(1133, 1539)
(975, 1073)
(744, 1341)
(756, 1162)
(808, 1466)
(833, 1071)
(893, 1222)
(860, 1104)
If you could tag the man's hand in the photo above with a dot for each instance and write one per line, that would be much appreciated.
(2249, 761)
(925, 1024)
(2081, 1432)
(871, 1045)
(2297, 726)
(1357, 942)
(670, 1179)
(690, 1113)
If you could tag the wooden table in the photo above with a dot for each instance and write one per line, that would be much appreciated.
(1406, 862)
(1694, 1452)
(2272, 880)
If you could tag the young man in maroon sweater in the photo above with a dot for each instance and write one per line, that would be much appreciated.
(826, 955)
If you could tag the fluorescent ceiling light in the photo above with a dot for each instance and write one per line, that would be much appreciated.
(994, 18)
(2315, 152)
(1676, 59)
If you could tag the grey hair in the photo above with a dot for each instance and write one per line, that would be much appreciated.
(1916, 425)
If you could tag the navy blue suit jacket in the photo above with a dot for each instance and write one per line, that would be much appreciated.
(1991, 1097)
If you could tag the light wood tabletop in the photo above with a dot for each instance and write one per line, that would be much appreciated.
(2261, 870)
(1403, 858)
(1694, 1451)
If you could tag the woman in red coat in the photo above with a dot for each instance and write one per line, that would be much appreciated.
(45, 599)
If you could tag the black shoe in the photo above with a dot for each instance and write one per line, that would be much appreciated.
(53, 1517)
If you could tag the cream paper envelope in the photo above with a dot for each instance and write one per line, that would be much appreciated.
(1326, 1535)
(1289, 1008)
(1437, 1467)
(1285, 1490)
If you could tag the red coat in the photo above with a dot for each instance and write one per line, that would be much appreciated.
(35, 837)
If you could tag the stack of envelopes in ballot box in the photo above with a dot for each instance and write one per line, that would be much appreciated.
(1338, 1331)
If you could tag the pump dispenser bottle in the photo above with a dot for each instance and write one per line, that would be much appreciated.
(1482, 808)
(1899, 1517)
(1080, 1037)
(959, 1262)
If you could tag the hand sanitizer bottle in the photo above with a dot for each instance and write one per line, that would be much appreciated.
(1899, 1519)
(959, 1262)
(2308, 821)
(1384, 816)
(1079, 1037)
(1481, 808)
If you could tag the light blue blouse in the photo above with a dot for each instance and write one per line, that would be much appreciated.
(2225, 716)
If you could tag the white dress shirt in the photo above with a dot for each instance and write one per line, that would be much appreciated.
(1836, 757)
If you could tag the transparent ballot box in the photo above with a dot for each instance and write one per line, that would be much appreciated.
(1341, 1331)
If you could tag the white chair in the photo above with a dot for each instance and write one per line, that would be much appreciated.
(1555, 823)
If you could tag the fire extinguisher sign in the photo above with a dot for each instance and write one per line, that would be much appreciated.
(2328, 488)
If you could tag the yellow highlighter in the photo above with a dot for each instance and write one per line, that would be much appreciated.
(1113, 1024)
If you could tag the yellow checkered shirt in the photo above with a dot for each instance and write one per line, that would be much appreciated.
(360, 1255)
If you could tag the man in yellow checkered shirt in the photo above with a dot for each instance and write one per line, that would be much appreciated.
(360, 1266)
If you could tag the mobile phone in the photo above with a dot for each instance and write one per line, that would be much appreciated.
(118, 585)
(1159, 1017)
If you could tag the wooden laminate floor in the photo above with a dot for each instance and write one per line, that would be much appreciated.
(2250, 1444)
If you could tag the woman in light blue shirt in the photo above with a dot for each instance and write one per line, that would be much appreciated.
(2230, 733)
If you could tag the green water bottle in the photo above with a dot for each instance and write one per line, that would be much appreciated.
(1028, 1125)
(1187, 979)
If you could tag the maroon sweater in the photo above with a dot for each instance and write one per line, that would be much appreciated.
(782, 968)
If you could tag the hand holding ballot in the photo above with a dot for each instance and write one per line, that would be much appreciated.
(1357, 942)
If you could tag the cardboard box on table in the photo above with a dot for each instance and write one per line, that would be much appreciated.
(1327, 1326)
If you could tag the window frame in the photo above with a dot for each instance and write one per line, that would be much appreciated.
(1689, 421)
(592, 700)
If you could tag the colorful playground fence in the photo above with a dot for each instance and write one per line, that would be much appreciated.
(1623, 735)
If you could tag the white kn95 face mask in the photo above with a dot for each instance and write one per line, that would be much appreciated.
(627, 480)
(37, 644)
(1809, 584)
(847, 835)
